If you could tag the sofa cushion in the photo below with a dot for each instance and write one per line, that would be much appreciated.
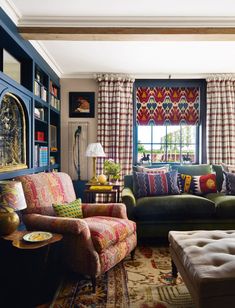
(149, 184)
(107, 231)
(194, 169)
(225, 205)
(184, 206)
(219, 176)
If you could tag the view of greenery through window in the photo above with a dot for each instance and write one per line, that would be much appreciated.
(167, 143)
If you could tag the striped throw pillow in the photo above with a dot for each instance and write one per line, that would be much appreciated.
(72, 209)
(150, 184)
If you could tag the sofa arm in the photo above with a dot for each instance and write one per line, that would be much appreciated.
(109, 209)
(56, 224)
(129, 200)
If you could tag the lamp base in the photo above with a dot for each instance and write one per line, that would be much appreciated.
(9, 220)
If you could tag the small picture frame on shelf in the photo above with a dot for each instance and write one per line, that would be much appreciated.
(81, 104)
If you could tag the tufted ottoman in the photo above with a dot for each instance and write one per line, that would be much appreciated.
(206, 262)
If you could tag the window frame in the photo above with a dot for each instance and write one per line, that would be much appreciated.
(201, 128)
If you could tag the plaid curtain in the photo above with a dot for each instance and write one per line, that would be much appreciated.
(115, 120)
(221, 119)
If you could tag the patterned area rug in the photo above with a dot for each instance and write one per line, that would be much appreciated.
(145, 282)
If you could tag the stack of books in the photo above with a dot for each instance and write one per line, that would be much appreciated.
(43, 156)
(101, 187)
(40, 156)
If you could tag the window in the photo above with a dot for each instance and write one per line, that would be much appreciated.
(167, 143)
(168, 121)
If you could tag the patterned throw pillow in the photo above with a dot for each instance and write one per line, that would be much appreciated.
(150, 184)
(72, 209)
(229, 183)
(153, 170)
(185, 182)
(204, 184)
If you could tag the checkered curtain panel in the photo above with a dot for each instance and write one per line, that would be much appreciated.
(221, 119)
(115, 120)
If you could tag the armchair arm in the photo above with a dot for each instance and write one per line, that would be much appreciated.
(78, 250)
(129, 200)
(109, 209)
(56, 224)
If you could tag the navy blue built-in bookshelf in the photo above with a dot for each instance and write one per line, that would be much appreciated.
(39, 92)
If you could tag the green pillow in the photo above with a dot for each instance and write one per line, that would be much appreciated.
(72, 209)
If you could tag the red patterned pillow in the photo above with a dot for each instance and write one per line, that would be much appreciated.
(204, 184)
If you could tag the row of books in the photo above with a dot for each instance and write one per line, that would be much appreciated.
(40, 90)
(40, 156)
(39, 113)
(55, 102)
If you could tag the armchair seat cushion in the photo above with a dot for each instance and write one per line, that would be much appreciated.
(108, 231)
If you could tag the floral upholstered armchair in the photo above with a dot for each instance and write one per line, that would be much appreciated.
(91, 245)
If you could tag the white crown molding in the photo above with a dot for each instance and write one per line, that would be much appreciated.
(39, 46)
(88, 21)
(11, 10)
(139, 76)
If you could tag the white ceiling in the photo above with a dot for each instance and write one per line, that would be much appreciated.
(125, 7)
(139, 58)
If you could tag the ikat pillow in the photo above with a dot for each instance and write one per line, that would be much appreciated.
(72, 209)
(204, 184)
(150, 184)
(185, 182)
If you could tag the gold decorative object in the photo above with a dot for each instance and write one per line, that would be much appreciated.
(102, 178)
(12, 134)
(11, 199)
(94, 150)
(9, 220)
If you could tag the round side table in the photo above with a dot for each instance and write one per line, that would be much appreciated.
(18, 241)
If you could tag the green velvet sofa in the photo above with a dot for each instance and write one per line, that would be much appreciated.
(157, 215)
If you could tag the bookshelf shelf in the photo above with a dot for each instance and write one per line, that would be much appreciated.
(40, 142)
(41, 121)
(54, 110)
(40, 102)
(41, 169)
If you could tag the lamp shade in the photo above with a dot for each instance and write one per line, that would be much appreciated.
(95, 150)
(12, 195)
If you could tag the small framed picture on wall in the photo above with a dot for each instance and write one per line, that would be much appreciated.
(81, 104)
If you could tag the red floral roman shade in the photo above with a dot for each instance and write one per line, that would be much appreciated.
(167, 105)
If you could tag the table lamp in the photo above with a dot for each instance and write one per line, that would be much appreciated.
(94, 150)
(11, 199)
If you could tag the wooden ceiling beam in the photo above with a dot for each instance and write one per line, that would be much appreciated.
(126, 33)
